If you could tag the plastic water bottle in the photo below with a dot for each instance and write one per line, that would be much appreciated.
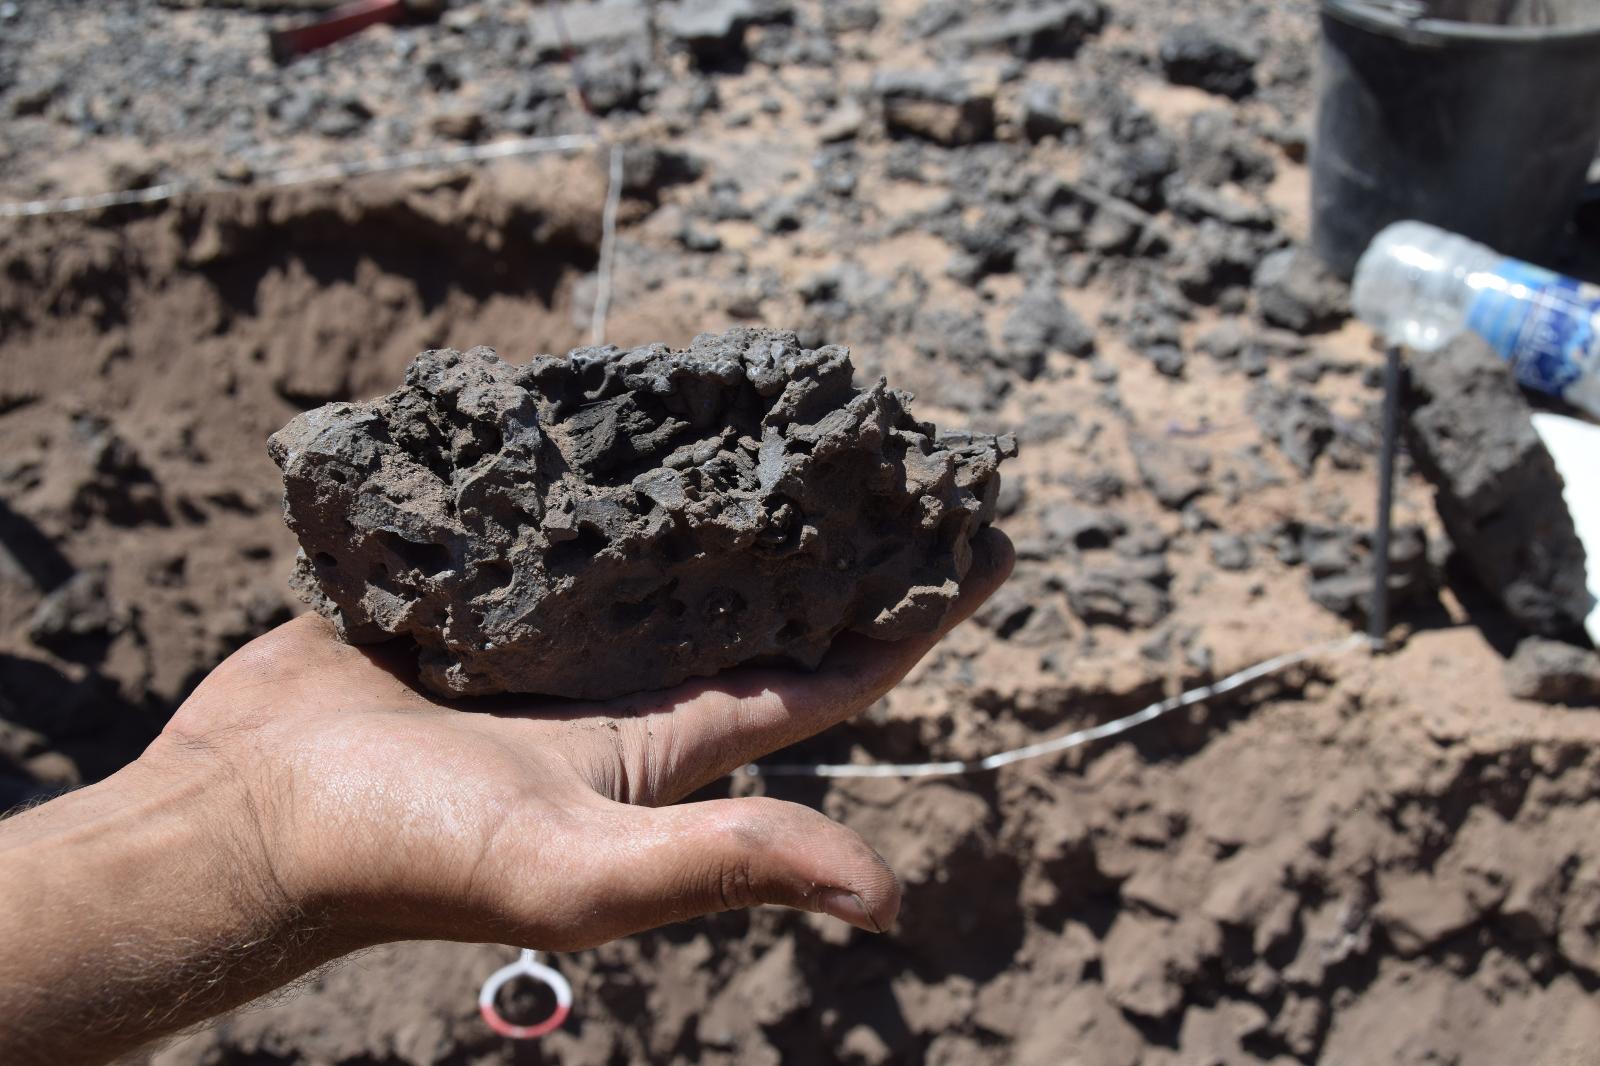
(1421, 286)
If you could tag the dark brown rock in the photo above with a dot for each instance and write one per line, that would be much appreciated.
(620, 521)
(1499, 492)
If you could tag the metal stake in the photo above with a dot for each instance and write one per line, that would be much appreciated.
(1378, 612)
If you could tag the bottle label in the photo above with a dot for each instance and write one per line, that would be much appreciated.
(1545, 325)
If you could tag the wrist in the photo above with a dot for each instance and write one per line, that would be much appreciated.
(238, 833)
(141, 904)
(176, 834)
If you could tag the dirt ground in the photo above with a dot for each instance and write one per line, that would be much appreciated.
(1367, 858)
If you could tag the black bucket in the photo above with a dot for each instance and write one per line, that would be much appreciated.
(1479, 116)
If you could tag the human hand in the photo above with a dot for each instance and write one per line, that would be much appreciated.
(306, 801)
(383, 813)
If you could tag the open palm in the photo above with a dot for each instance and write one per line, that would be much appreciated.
(546, 824)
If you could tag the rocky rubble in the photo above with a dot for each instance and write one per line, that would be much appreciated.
(619, 521)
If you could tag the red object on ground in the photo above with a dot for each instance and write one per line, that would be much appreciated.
(340, 23)
(523, 1032)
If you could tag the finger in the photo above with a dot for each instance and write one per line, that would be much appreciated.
(718, 725)
(674, 863)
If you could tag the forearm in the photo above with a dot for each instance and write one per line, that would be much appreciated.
(135, 907)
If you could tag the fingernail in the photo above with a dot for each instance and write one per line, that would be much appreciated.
(848, 907)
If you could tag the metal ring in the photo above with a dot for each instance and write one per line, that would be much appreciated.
(534, 971)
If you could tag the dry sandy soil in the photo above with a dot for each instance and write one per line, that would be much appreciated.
(1365, 859)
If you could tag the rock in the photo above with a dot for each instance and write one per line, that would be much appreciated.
(1134, 171)
(1056, 205)
(1225, 341)
(250, 612)
(950, 846)
(1291, 136)
(1209, 56)
(1077, 1026)
(1103, 372)
(1147, 545)
(1216, 265)
(33, 99)
(1072, 525)
(1418, 910)
(343, 117)
(698, 237)
(1007, 611)
(744, 299)
(461, 125)
(1149, 961)
(1013, 494)
(1216, 1035)
(953, 336)
(29, 559)
(442, 74)
(1199, 203)
(1216, 151)
(1550, 671)
(115, 484)
(1046, 425)
(713, 31)
(1042, 114)
(1040, 324)
(838, 170)
(619, 521)
(1168, 359)
(1498, 491)
(1126, 595)
(1233, 341)
(1229, 551)
(772, 989)
(305, 373)
(843, 123)
(1051, 29)
(609, 81)
(1332, 932)
(784, 213)
(1019, 612)
(649, 169)
(1111, 233)
(850, 16)
(81, 611)
(1296, 291)
(1295, 420)
(588, 25)
(989, 245)
(800, 45)
(862, 1045)
(1166, 472)
(941, 106)
(840, 285)
(1300, 1024)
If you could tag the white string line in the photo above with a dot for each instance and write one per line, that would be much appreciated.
(427, 157)
(1070, 740)
(608, 241)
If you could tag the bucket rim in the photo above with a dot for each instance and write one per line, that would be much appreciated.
(1366, 14)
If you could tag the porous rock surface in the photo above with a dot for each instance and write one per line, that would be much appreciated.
(1499, 493)
(618, 521)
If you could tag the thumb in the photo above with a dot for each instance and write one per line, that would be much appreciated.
(718, 855)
